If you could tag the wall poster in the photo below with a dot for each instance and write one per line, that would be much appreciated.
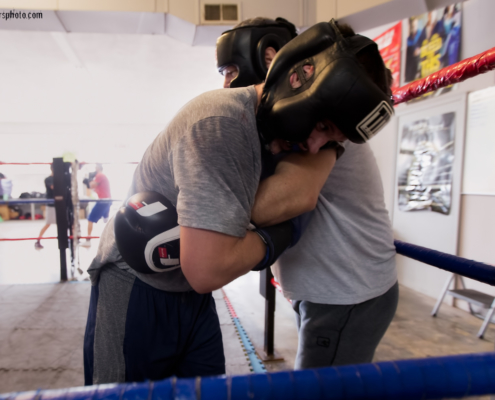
(433, 42)
(389, 44)
(425, 164)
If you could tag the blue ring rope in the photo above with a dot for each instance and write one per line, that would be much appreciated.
(431, 378)
(469, 268)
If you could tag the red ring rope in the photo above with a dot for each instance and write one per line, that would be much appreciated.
(279, 288)
(465, 69)
(229, 305)
(21, 163)
(44, 238)
(49, 163)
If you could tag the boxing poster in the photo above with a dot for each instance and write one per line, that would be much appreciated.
(425, 164)
(389, 44)
(433, 42)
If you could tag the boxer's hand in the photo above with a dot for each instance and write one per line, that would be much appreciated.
(280, 237)
(338, 146)
(277, 239)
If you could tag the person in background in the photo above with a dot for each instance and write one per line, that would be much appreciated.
(452, 32)
(5, 187)
(50, 215)
(101, 185)
(413, 50)
(5, 192)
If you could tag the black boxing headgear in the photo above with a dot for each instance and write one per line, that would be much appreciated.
(245, 47)
(339, 90)
(147, 233)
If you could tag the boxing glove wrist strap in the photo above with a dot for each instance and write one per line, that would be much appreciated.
(277, 239)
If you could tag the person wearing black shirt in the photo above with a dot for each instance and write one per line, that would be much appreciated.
(50, 215)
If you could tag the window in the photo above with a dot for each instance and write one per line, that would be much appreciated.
(229, 12)
(221, 13)
(212, 12)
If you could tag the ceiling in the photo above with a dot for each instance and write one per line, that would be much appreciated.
(302, 12)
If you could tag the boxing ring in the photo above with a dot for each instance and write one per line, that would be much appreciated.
(67, 204)
(431, 378)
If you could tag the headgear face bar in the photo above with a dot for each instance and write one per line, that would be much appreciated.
(245, 48)
(340, 89)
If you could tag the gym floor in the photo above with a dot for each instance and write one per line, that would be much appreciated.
(42, 321)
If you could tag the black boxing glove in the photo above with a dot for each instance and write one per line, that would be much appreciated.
(277, 239)
(299, 225)
(147, 233)
(280, 237)
(86, 182)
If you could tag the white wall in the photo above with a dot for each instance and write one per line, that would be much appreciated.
(477, 220)
(103, 97)
(80, 78)
(477, 224)
(476, 233)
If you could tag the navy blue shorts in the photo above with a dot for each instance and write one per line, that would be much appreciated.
(135, 332)
(100, 210)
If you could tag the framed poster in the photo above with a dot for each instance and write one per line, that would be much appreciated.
(389, 45)
(428, 178)
(425, 164)
(433, 42)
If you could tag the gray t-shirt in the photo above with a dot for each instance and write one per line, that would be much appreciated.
(207, 162)
(347, 254)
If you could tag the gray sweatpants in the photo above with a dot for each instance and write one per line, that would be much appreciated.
(332, 335)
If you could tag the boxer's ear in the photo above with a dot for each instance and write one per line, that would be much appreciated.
(269, 55)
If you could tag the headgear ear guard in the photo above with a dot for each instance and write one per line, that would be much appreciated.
(245, 48)
(339, 90)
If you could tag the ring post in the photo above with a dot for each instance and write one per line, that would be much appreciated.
(60, 194)
(267, 290)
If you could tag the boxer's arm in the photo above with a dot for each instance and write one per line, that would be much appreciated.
(97, 180)
(210, 260)
(94, 183)
(294, 187)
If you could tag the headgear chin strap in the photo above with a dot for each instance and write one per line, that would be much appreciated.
(245, 48)
(340, 89)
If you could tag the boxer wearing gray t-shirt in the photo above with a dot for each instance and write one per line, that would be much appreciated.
(209, 171)
(207, 162)
(341, 276)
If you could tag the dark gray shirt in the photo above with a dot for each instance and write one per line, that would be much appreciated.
(207, 162)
